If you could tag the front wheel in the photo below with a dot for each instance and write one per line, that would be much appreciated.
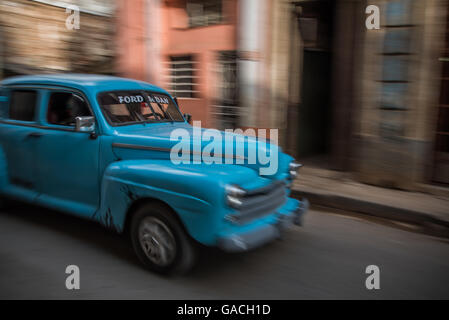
(160, 241)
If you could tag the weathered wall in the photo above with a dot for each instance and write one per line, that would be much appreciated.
(130, 39)
(281, 59)
(35, 39)
(398, 94)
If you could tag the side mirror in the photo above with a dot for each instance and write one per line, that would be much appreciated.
(85, 124)
(188, 117)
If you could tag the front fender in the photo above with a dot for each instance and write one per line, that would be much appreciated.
(195, 192)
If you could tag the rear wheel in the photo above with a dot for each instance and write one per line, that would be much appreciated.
(160, 241)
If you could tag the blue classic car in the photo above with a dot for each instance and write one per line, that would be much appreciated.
(101, 147)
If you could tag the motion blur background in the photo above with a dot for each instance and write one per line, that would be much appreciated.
(373, 103)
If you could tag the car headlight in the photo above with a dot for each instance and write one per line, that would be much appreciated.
(293, 169)
(233, 195)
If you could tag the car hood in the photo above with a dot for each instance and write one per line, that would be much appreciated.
(169, 140)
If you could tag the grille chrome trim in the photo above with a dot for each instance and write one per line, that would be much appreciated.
(260, 202)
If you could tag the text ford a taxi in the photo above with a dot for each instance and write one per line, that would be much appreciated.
(120, 152)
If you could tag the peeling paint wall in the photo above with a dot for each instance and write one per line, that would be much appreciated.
(399, 93)
(36, 40)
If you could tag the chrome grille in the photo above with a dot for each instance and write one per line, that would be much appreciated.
(261, 202)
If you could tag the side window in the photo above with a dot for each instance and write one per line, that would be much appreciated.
(23, 105)
(64, 107)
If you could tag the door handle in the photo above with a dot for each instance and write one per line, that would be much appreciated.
(34, 135)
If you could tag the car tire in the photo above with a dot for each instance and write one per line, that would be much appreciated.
(160, 241)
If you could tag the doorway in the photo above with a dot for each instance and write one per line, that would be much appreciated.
(440, 172)
(315, 110)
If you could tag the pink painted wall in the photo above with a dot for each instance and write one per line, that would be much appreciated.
(204, 43)
(131, 62)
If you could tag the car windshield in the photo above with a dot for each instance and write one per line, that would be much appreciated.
(130, 107)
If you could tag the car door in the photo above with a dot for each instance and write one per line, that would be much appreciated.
(18, 139)
(67, 169)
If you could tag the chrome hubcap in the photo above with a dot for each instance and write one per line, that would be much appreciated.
(157, 241)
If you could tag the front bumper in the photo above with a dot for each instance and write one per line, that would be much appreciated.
(265, 233)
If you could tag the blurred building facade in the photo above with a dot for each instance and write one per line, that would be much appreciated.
(370, 102)
(401, 139)
(34, 37)
(373, 103)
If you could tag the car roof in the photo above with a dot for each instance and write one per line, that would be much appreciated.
(90, 82)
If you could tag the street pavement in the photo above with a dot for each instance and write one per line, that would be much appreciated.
(324, 259)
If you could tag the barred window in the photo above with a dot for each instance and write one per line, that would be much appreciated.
(204, 12)
(226, 108)
(182, 72)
